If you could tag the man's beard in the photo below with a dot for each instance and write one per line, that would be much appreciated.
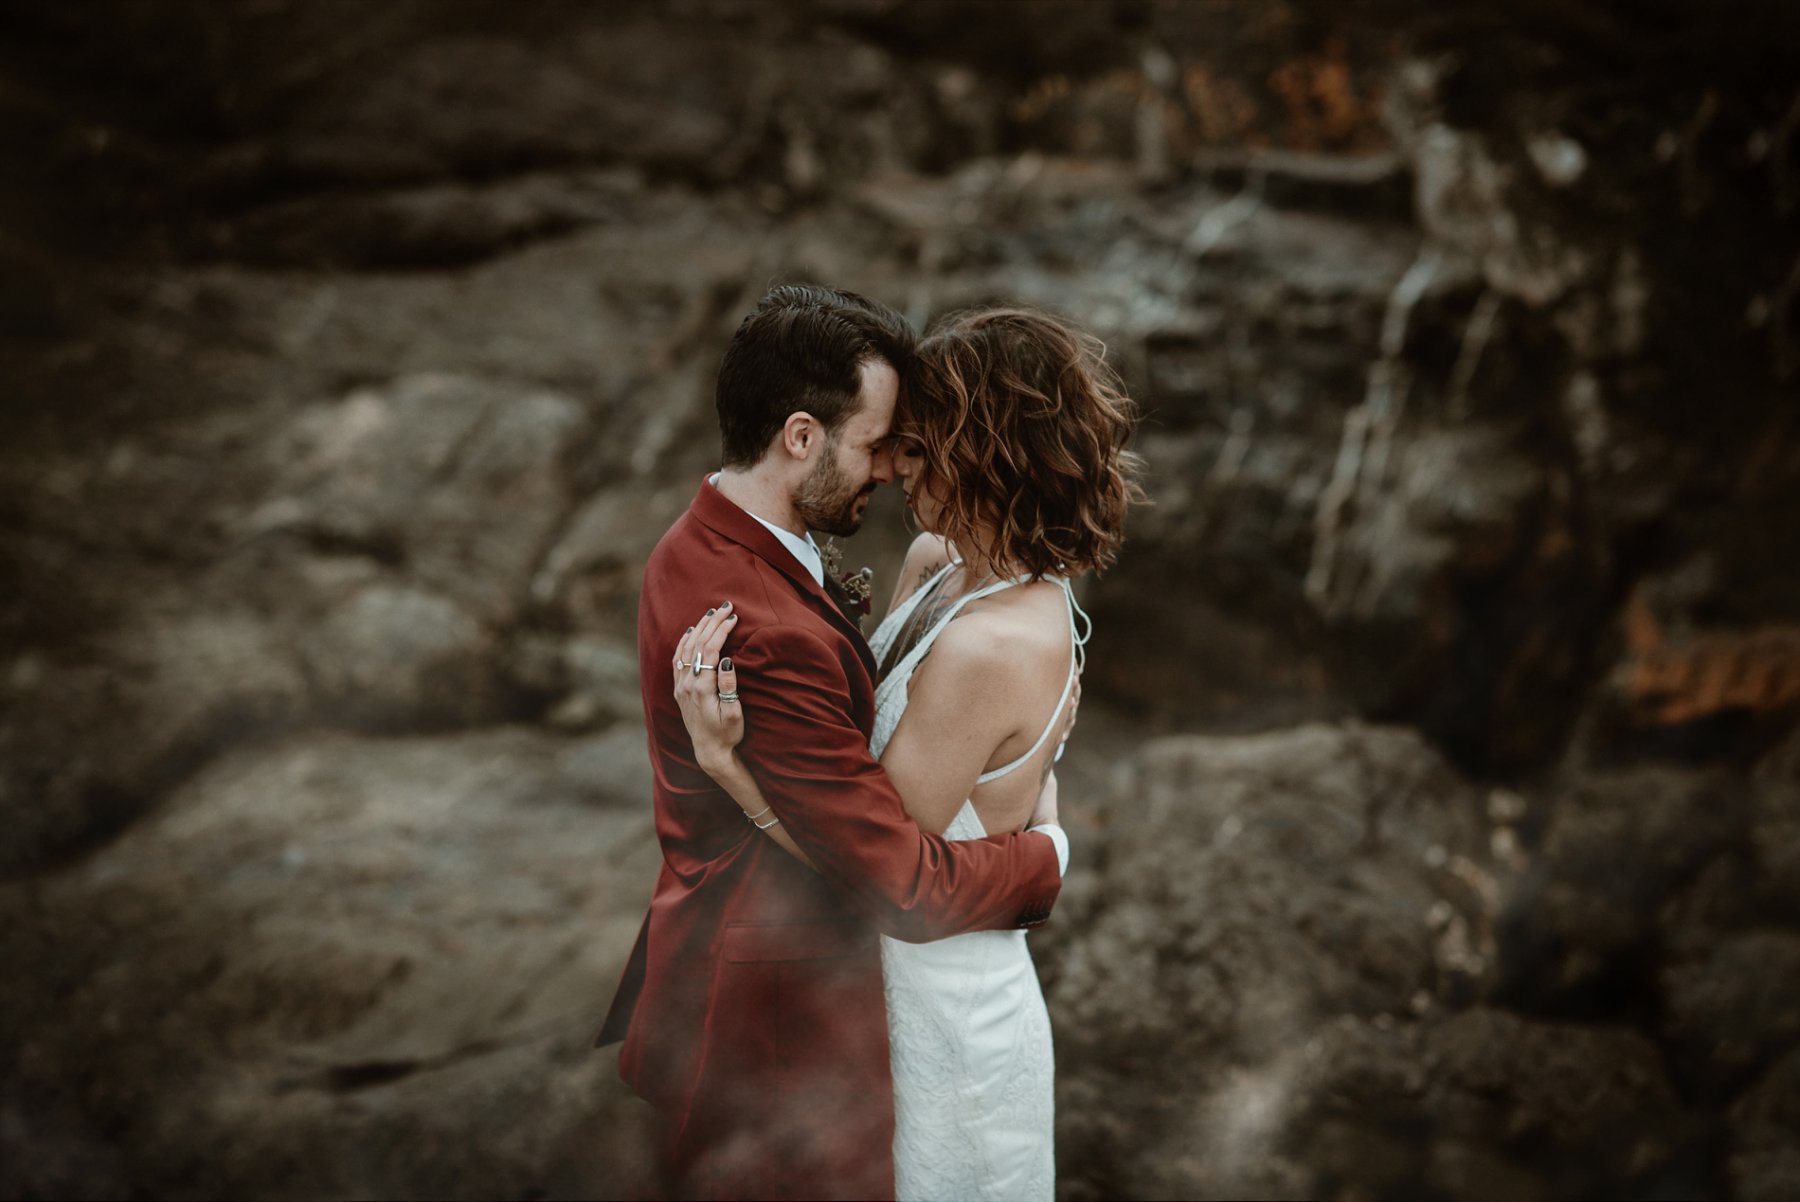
(827, 497)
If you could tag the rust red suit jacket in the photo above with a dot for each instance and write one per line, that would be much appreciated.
(751, 1008)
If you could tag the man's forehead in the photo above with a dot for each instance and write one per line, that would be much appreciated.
(874, 414)
(880, 380)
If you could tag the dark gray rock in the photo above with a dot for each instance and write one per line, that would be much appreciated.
(395, 656)
(1775, 830)
(1584, 929)
(460, 482)
(1765, 1157)
(1485, 1104)
(1733, 1008)
(91, 740)
(431, 225)
(402, 963)
(1253, 889)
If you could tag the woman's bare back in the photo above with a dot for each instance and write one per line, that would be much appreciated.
(994, 680)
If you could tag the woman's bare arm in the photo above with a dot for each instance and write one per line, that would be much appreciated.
(736, 780)
(716, 724)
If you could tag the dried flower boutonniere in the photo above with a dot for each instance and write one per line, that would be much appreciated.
(856, 589)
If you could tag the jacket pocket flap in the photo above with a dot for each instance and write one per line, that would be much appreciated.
(793, 941)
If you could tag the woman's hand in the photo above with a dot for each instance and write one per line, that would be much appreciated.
(715, 720)
(706, 691)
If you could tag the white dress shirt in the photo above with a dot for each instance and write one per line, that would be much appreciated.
(803, 549)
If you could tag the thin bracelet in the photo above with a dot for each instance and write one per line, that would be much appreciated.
(758, 814)
(763, 826)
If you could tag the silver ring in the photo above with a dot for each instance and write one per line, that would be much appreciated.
(700, 667)
(731, 696)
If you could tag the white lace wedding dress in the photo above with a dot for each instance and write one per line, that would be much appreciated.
(974, 1078)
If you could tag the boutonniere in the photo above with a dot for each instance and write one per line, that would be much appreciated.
(858, 587)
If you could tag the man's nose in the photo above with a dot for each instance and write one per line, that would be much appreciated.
(882, 466)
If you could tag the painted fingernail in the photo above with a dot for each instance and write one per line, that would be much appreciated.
(724, 605)
(690, 630)
(709, 613)
(725, 664)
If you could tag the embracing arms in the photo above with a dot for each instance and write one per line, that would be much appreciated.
(804, 764)
(714, 717)
(950, 733)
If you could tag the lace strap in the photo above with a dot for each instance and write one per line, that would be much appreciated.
(903, 670)
(895, 622)
(1077, 660)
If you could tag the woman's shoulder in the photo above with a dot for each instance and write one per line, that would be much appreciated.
(924, 559)
(929, 552)
(1016, 634)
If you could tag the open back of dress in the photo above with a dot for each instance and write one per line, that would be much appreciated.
(974, 1076)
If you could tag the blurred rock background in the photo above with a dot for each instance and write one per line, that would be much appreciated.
(1437, 793)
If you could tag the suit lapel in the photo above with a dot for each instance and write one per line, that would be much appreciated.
(714, 510)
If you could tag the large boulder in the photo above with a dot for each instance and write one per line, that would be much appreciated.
(1272, 985)
(91, 736)
(1585, 928)
(1251, 890)
(330, 965)
(1483, 1103)
(1765, 1155)
(459, 481)
(1733, 1009)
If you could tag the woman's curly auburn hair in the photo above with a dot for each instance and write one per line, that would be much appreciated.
(1023, 427)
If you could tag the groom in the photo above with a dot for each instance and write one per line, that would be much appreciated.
(751, 1008)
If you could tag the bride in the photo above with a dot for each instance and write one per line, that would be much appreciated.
(1011, 450)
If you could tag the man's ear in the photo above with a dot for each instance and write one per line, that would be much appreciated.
(801, 435)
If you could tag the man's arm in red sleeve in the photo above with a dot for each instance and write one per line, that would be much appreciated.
(813, 766)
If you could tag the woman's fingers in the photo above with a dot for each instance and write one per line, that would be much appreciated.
(713, 725)
(726, 704)
(702, 635)
(714, 632)
(695, 637)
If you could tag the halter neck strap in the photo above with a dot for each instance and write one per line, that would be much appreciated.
(1077, 659)
(1080, 628)
(904, 669)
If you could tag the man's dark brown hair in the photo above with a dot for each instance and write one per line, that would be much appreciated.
(801, 350)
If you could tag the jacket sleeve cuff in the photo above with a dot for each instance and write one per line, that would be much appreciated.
(1059, 837)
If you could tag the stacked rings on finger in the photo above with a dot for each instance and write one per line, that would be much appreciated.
(731, 696)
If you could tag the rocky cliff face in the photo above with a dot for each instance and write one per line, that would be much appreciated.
(1438, 787)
